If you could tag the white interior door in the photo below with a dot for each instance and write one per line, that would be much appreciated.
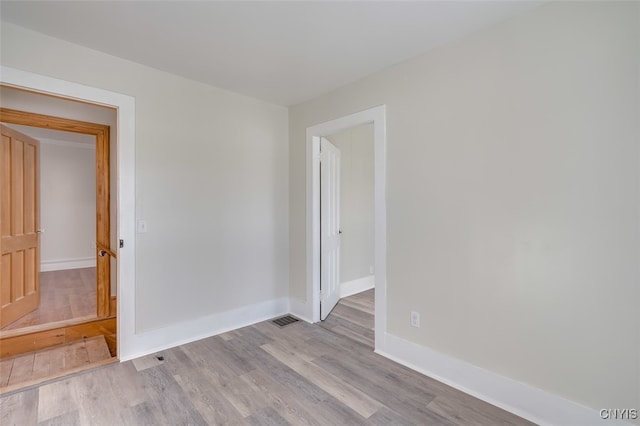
(330, 232)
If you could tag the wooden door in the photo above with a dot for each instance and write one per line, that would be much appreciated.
(330, 233)
(19, 224)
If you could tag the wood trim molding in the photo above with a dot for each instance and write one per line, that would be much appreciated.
(13, 116)
(41, 339)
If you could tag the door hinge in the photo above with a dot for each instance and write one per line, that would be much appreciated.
(121, 243)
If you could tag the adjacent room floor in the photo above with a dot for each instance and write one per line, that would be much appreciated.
(29, 368)
(353, 317)
(301, 374)
(64, 295)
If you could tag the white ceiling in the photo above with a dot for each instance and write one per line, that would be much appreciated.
(281, 52)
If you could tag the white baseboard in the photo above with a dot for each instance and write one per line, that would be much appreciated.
(356, 286)
(518, 398)
(142, 343)
(62, 264)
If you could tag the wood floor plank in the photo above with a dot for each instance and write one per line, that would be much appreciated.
(212, 406)
(5, 371)
(281, 399)
(364, 304)
(386, 416)
(142, 414)
(75, 355)
(232, 365)
(471, 412)
(97, 349)
(339, 389)
(412, 406)
(299, 410)
(266, 417)
(147, 361)
(55, 399)
(293, 381)
(19, 409)
(332, 412)
(22, 368)
(284, 336)
(173, 405)
(345, 348)
(253, 335)
(56, 361)
(197, 378)
(333, 321)
(93, 397)
(244, 396)
(354, 315)
(458, 412)
(364, 338)
(69, 419)
(229, 335)
(41, 365)
(129, 386)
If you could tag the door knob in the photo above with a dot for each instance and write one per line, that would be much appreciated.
(102, 253)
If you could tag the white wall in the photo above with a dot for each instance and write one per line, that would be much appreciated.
(513, 198)
(67, 204)
(211, 181)
(356, 201)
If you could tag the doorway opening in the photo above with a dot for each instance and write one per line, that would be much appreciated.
(65, 224)
(346, 215)
(130, 343)
(31, 327)
(323, 226)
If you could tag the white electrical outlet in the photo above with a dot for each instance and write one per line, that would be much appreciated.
(415, 319)
(370, 270)
(92, 245)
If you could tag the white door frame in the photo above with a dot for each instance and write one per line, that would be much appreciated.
(125, 203)
(377, 116)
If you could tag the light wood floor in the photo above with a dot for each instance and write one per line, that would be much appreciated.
(64, 295)
(57, 361)
(301, 374)
(353, 317)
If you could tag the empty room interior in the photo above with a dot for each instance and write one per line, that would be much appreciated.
(320, 213)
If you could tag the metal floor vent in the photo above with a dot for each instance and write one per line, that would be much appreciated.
(284, 321)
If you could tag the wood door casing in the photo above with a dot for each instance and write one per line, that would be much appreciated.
(103, 194)
(19, 225)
